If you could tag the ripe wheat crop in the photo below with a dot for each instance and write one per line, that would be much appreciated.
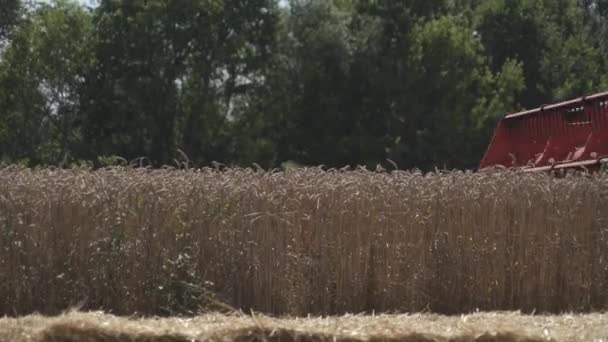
(303, 241)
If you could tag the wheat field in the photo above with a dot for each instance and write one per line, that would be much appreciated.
(298, 242)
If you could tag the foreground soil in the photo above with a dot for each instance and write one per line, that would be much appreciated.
(99, 327)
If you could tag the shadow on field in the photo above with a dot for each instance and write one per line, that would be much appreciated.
(66, 332)
(284, 335)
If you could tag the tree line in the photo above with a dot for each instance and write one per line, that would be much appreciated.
(419, 83)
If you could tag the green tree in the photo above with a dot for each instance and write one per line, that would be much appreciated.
(314, 62)
(422, 82)
(341, 70)
(513, 29)
(382, 80)
(454, 97)
(573, 65)
(170, 74)
(596, 17)
(42, 77)
(9, 15)
(554, 41)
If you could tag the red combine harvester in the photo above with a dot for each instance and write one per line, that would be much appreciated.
(562, 136)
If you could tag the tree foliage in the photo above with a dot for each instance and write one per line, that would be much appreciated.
(42, 79)
(9, 15)
(341, 82)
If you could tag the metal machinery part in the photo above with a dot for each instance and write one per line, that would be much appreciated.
(567, 135)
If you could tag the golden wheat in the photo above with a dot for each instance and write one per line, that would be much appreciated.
(304, 241)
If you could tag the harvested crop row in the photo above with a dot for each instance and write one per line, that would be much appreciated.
(480, 327)
(302, 241)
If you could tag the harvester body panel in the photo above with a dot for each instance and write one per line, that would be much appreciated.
(567, 135)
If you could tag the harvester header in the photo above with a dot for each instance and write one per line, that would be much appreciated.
(567, 135)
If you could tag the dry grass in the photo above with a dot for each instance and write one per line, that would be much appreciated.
(304, 241)
(500, 327)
